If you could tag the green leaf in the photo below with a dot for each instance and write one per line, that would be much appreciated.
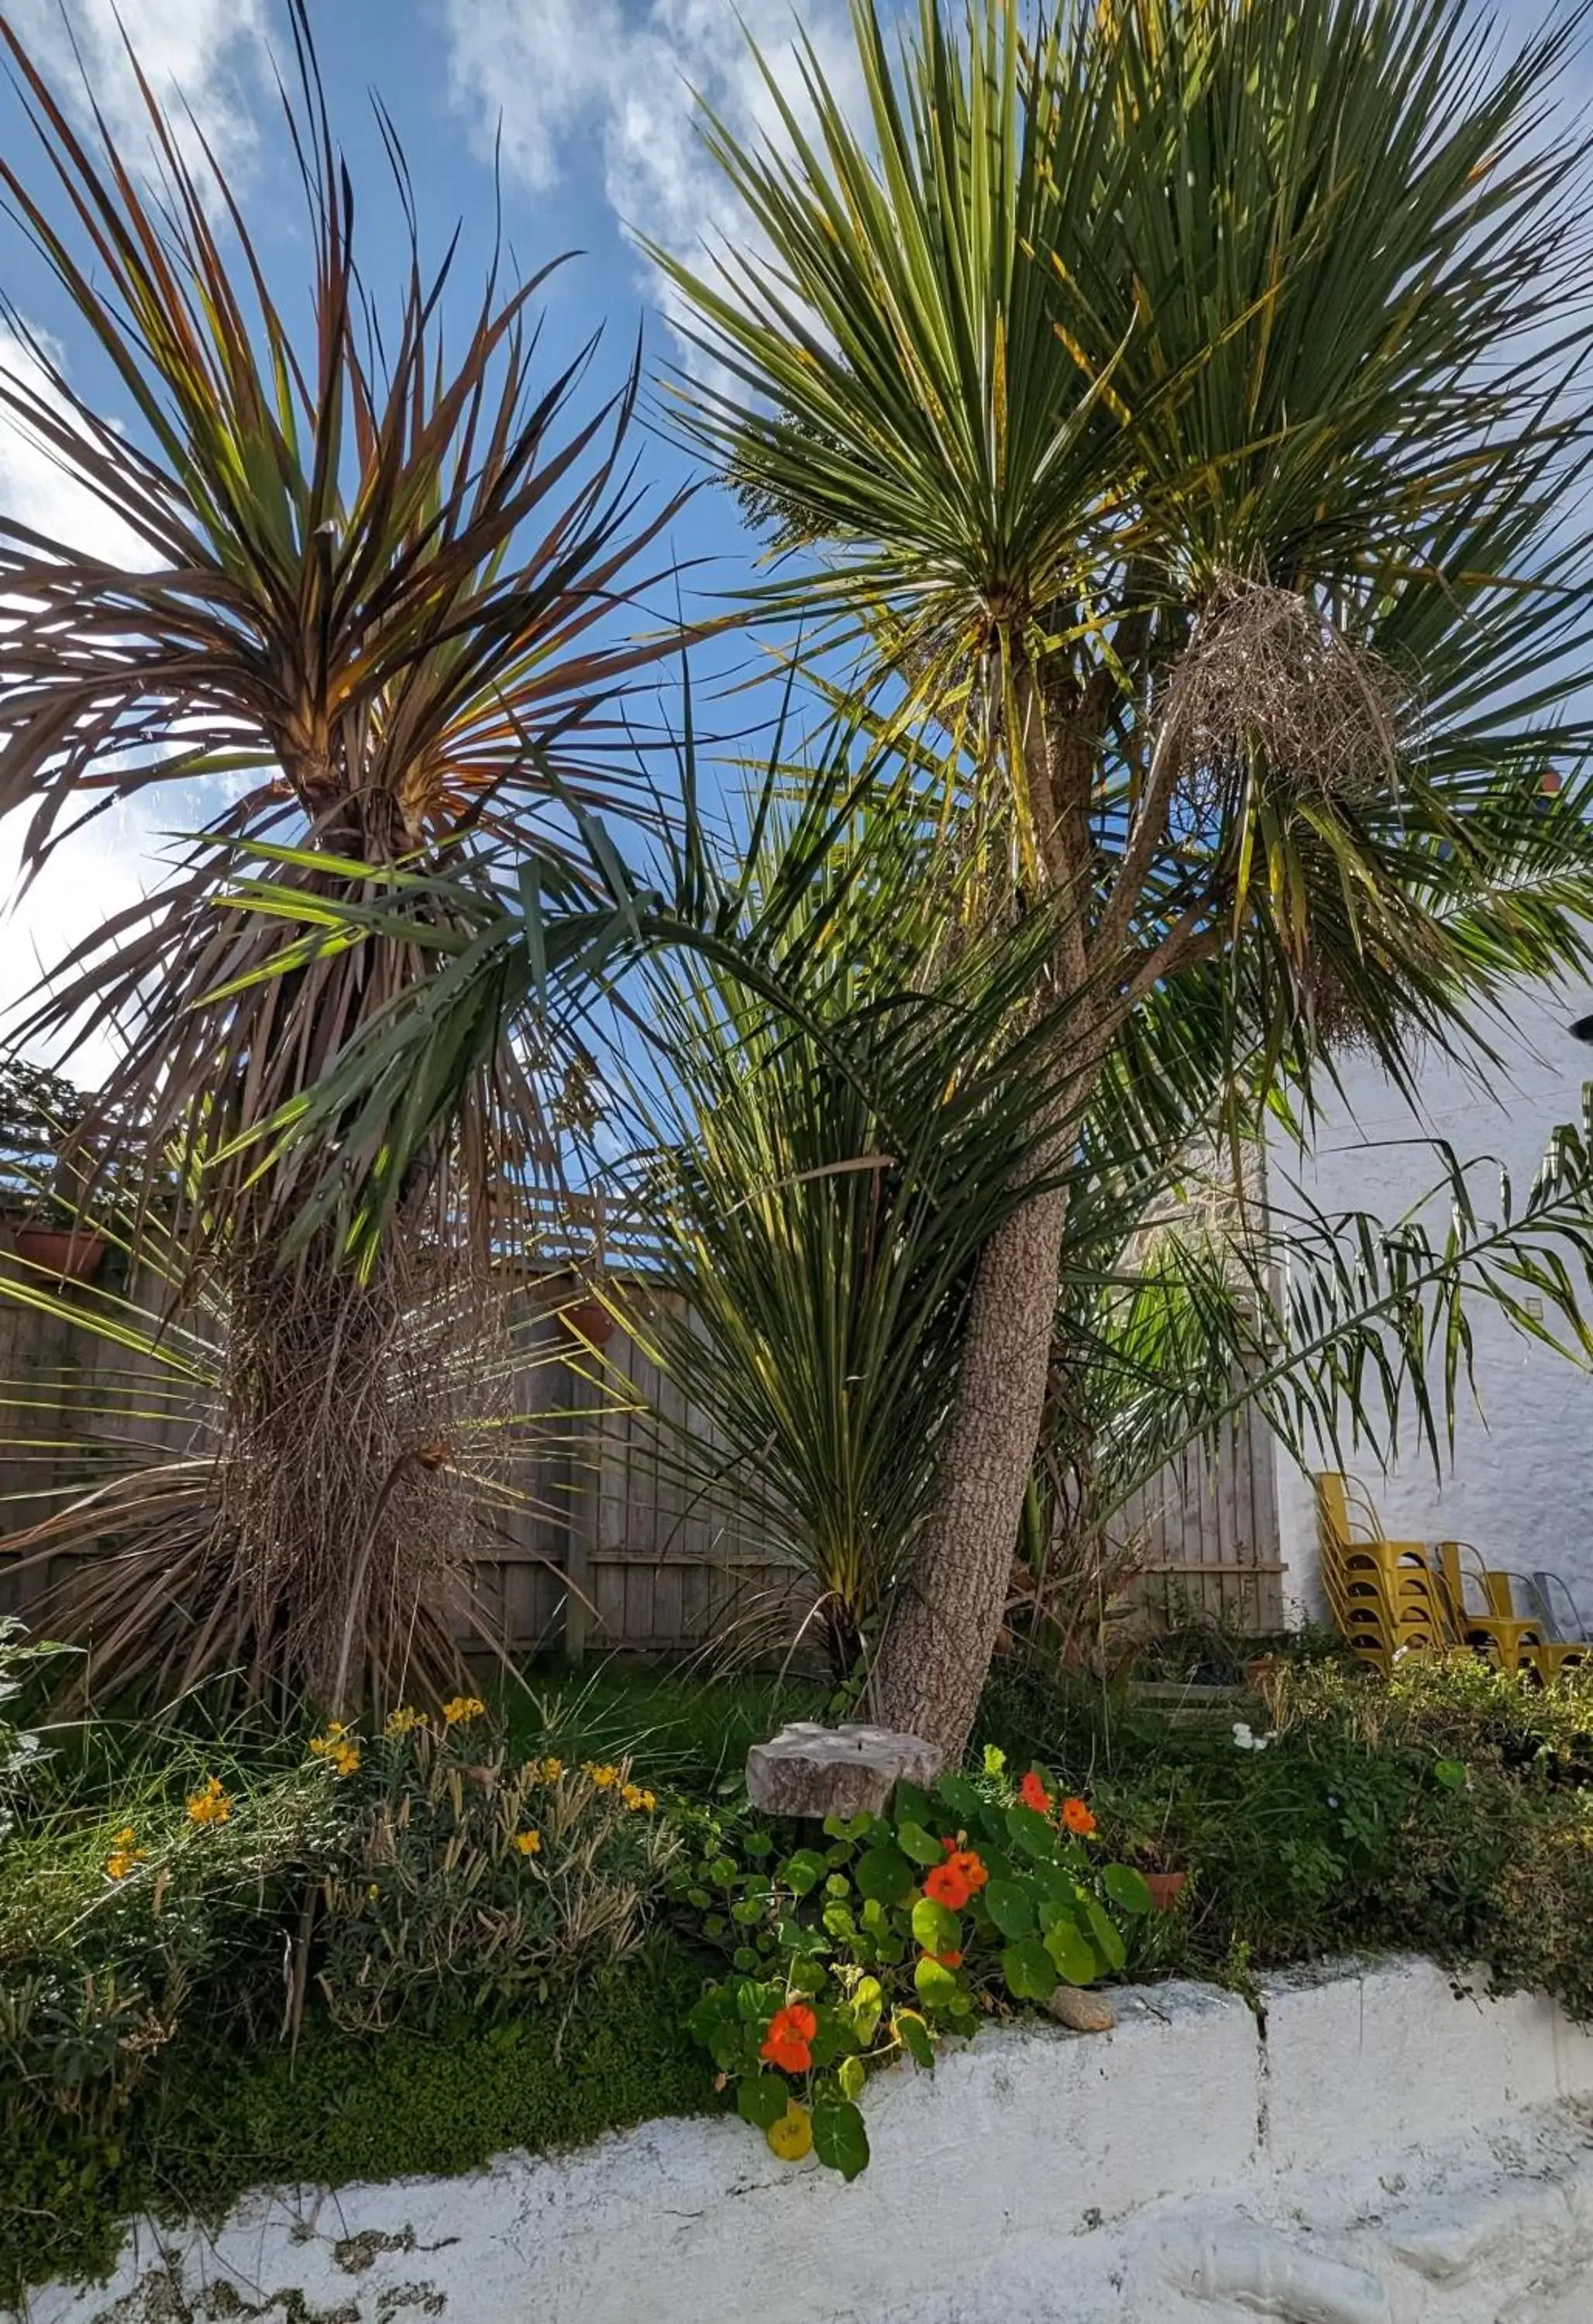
(838, 1919)
(802, 1872)
(936, 1927)
(858, 1826)
(911, 1805)
(884, 1875)
(1032, 1832)
(761, 2098)
(922, 1846)
(839, 2139)
(1011, 1908)
(1452, 1774)
(1029, 1970)
(851, 2077)
(746, 1958)
(868, 2003)
(837, 1885)
(915, 2038)
(1072, 1951)
(936, 1985)
(1104, 1929)
(1126, 1889)
(808, 1976)
(960, 1797)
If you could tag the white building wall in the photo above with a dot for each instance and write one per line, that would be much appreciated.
(1521, 1483)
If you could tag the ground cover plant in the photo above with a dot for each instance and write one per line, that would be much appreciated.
(515, 1942)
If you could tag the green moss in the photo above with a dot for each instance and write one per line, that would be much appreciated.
(209, 2123)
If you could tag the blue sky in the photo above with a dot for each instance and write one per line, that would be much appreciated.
(586, 102)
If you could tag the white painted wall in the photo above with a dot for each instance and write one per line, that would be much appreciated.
(1377, 2151)
(1520, 1485)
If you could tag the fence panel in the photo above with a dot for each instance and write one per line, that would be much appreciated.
(602, 1545)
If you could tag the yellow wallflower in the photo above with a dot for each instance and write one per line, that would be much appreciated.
(529, 1844)
(124, 1854)
(603, 1777)
(551, 1770)
(334, 1742)
(403, 1721)
(210, 1805)
(345, 1759)
(636, 1798)
(462, 1709)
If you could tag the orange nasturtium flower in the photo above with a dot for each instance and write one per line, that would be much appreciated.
(787, 2042)
(943, 1884)
(947, 1961)
(211, 1805)
(1033, 1793)
(970, 1863)
(1078, 1817)
(462, 1709)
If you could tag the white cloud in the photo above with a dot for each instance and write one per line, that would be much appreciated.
(548, 74)
(204, 55)
(111, 862)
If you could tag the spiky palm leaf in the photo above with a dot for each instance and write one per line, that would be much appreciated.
(378, 590)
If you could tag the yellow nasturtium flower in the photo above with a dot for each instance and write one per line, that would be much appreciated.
(791, 2136)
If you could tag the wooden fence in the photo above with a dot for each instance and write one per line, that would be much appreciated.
(603, 1546)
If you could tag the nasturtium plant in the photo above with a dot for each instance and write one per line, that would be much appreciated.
(901, 1930)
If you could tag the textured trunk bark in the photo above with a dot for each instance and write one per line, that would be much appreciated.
(937, 1648)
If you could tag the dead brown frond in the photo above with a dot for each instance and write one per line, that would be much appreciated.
(353, 1445)
(1269, 678)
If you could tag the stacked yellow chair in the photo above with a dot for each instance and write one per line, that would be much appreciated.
(1386, 1598)
(1395, 1598)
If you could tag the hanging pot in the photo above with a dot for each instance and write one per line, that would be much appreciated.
(589, 1319)
(71, 1254)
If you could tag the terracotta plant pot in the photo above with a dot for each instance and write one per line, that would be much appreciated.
(589, 1319)
(71, 1254)
(1165, 1887)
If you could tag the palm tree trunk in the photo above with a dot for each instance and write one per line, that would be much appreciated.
(936, 1651)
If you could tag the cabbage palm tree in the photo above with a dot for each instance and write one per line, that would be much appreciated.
(374, 591)
(1172, 404)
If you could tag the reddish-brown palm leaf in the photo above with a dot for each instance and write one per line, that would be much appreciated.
(383, 579)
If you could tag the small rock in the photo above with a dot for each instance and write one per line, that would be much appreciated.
(809, 1770)
(1081, 2012)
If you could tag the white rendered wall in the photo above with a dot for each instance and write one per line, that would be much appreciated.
(1520, 1485)
(1375, 2151)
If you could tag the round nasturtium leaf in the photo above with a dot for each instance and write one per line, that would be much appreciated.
(1029, 1970)
(1126, 1889)
(937, 1984)
(922, 1846)
(1011, 1908)
(1073, 1954)
(883, 1875)
(839, 2140)
(936, 1927)
(761, 2099)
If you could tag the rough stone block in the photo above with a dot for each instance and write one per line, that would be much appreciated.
(809, 1770)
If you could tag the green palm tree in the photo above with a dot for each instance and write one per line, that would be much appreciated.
(377, 593)
(1173, 405)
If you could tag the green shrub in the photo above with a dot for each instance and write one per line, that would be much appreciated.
(903, 1928)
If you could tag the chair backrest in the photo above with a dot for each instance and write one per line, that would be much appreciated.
(1561, 1617)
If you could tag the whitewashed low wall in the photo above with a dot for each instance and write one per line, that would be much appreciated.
(1377, 2151)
